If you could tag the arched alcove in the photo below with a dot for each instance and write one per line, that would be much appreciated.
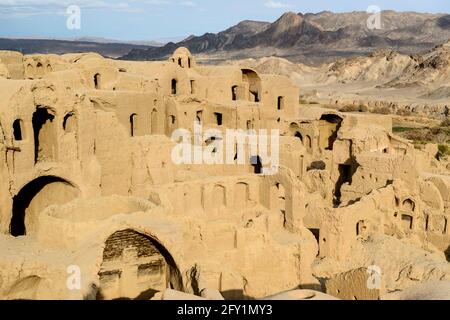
(174, 86)
(220, 195)
(69, 123)
(34, 197)
(133, 124)
(45, 141)
(97, 81)
(254, 84)
(241, 194)
(136, 266)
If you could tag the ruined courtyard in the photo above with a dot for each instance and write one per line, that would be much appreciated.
(88, 184)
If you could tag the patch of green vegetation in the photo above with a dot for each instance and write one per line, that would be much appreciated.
(443, 151)
(419, 144)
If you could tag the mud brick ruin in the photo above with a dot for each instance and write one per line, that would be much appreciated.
(87, 183)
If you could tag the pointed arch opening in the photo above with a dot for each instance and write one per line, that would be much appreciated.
(136, 267)
(45, 135)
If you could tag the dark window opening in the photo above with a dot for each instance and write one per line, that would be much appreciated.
(234, 93)
(199, 116)
(180, 62)
(17, 130)
(189, 63)
(69, 122)
(299, 136)
(361, 228)
(219, 118)
(97, 80)
(345, 176)
(255, 96)
(174, 86)
(192, 86)
(280, 103)
(133, 124)
(44, 135)
(308, 142)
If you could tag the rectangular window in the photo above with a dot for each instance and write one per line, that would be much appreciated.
(219, 119)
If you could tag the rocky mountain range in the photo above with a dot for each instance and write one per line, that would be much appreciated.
(314, 38)
(105, 47)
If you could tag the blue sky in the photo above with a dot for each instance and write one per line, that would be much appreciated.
(160, 19)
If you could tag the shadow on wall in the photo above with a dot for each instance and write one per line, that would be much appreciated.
(46, 191)
(346, 172)
(317, 165)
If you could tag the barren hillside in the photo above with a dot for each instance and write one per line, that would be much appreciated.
(314, 38)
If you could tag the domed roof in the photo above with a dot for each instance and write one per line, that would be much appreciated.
(182, 51)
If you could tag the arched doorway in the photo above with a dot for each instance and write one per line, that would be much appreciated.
(253, 82)
(136, 266)
(133, 124)
(241, 195)
(97, 81)
(308, 143)
(35, 197)
(234, 93)
(220, 196)
(70, 122)
(174, 86)
(45, 136)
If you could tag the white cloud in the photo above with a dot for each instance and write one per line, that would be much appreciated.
(153, 2)
(276, 4)
(24, 8)
(188, 3)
